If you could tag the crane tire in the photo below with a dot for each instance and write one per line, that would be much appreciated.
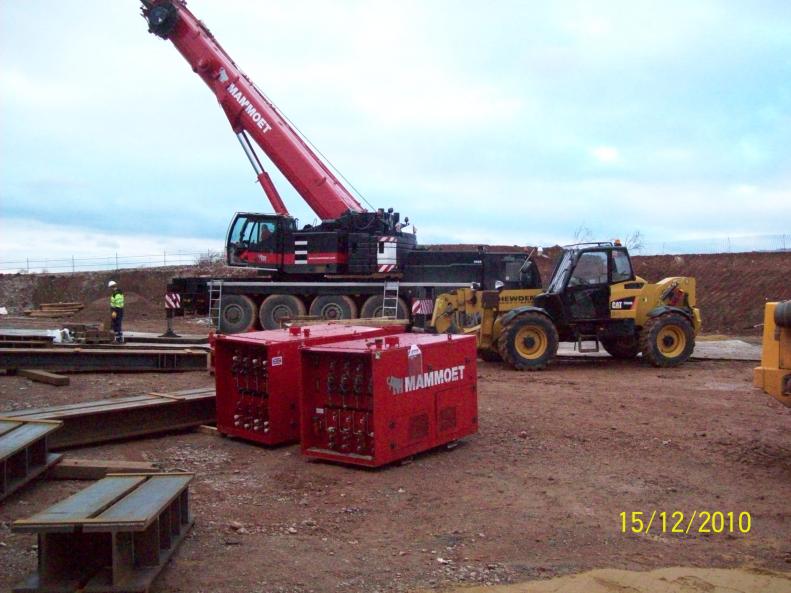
(372, 308)
(333, 307)
(237, 314)
(277, 307)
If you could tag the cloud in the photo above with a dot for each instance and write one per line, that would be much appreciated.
(606, 154)
(515, 120)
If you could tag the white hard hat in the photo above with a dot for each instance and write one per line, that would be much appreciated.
(112, 283)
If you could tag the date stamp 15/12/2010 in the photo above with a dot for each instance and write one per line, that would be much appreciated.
(681, 523)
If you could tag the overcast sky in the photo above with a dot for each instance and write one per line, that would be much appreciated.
(505, 121)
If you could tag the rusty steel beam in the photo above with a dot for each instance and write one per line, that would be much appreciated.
(75, 359)
(105, 420)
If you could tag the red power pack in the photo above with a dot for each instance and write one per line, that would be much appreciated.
(259, 378)
(373, 401)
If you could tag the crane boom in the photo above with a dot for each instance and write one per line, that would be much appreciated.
(251, 114)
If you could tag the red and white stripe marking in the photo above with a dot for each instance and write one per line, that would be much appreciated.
(422, 307)
(386, 268)
(172, 300)
(388, 239)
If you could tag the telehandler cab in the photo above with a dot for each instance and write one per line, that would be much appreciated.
(592, 297)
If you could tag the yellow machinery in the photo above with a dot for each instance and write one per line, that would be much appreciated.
(593, 298)
(774, 374)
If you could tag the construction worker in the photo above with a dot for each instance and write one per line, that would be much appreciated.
(117, 310)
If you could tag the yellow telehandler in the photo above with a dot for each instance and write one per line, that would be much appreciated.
(592, 297)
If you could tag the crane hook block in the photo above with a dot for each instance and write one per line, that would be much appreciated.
(162, 18)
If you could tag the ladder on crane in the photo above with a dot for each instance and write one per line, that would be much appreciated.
(390, 300)
(215, 303)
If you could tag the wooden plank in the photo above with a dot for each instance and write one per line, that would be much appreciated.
(23, 436)
(85, 504)
(51, 314)
(60, 305)
(166, 395)
(209, 430)
(44, 377)
(96, 469)
(146, 502)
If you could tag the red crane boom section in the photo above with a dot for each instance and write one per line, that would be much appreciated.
(248, 110)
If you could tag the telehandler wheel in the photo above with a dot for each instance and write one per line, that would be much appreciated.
(237, 314)
(489, 355)
(529, 342)
(332, 308)
(623, 347)
(277, 307)
(667, 340)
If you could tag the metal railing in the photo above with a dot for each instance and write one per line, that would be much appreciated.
(116, 261)
(735, 244)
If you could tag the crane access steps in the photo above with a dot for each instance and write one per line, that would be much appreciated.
(390, 300)
(215, 303)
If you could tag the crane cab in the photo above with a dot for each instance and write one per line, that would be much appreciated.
(258, 240)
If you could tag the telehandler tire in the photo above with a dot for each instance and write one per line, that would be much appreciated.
(667, 340)
(237, 314)
(489, 355)
(622, 347)
(529, 342)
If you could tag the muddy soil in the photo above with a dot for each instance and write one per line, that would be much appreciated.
(536, 494)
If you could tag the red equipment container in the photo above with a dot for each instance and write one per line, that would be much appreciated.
(371, 402)
(259, 378)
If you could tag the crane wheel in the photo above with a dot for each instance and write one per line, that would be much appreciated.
(489, 355)
(529, 342)
(623, 347)
(372, 307)
(332, 308)
(783, 314)
(277, 307)
(237, 314)
(667, 340)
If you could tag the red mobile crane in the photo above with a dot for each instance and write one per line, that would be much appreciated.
(338, 266)
(272, 242)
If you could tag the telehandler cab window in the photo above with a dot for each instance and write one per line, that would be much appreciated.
(622, 267)
(591, 268)
(557, 283)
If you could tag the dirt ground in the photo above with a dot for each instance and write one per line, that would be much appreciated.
(536, 494)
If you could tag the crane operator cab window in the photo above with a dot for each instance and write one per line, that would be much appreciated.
(252, 240)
